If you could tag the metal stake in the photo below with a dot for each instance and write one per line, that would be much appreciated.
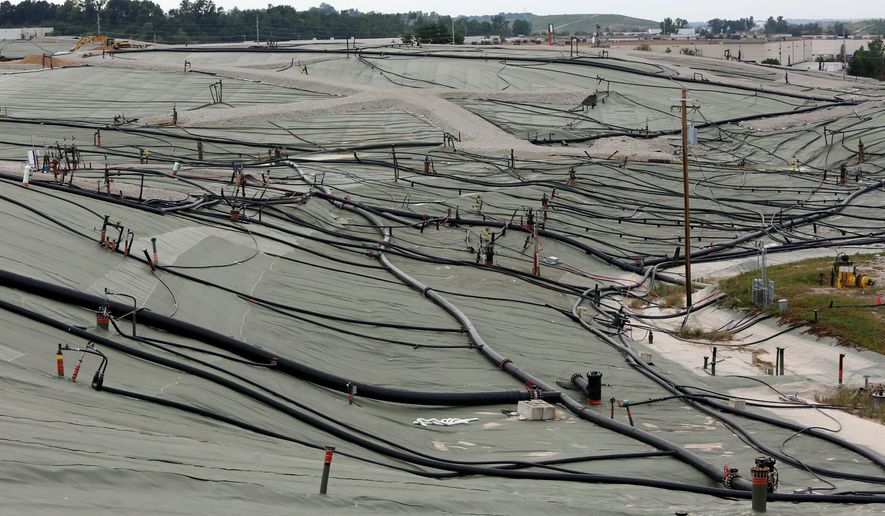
(327, 465)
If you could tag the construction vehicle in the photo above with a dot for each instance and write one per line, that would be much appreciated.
(844, 274)
(105, 41)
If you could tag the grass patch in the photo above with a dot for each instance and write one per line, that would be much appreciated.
(858, 401)
(669, 296)
(799, 283)
(695, 333)
(663, 295)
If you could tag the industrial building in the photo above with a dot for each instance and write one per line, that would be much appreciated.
(25, 33)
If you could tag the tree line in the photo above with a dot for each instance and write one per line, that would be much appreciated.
(780, 26)
(202, 21)
(718, 27)
(445, 29)
(869, 62)
(669, 26)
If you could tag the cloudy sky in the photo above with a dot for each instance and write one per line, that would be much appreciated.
(693, 10)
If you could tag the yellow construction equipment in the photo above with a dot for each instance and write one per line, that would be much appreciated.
(103, 41)
(844, 274)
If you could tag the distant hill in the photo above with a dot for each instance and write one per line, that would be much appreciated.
(578, 22)
(587, 22)
(865, 27)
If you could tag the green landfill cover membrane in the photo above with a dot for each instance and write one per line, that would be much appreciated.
(299, 275)
(90, 96)
(19, 48)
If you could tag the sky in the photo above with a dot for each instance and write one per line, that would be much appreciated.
(692, 10)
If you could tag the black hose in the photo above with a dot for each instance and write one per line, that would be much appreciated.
(261, 355)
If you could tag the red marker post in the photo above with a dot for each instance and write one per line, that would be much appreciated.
(759, 488)
(60, 362)
(327, 465)
(77, 367)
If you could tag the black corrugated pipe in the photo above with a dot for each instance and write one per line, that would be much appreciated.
(638, 133)
(205, 139)
(590, 385)
(795, 222)
(524, 59)
(461, 468)
(256, 354)
(683, 454)
(634, 360)
(494, 224)
(112, 198)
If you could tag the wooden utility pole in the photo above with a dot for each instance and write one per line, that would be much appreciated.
(687, 222)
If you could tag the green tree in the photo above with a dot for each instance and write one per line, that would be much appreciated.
(324, 8)
(521, 27)
(180, 37)
(437, 33)
(839, 29)
(204, 21)
(721, 26)
(776, 26)
(804, 29)
(869, 62)
(500, 26)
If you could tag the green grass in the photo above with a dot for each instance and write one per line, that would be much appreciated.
(799, 283)
(663, 295)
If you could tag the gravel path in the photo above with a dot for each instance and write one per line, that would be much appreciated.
(433, 105)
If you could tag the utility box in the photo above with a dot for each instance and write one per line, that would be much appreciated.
(535, 410)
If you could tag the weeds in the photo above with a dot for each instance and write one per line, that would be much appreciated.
(840, 313)
(857, 401)
(695, 333)
(669, 296)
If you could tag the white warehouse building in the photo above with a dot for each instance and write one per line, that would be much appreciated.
(25, 33)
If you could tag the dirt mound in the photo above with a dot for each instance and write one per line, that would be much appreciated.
(40, 58)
